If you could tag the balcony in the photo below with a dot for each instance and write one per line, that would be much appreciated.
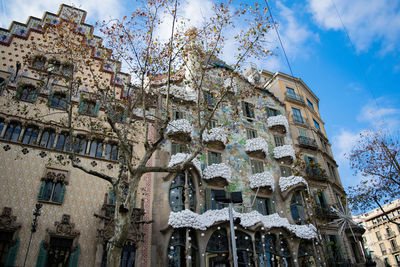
(316, 173)
(325, 212)
(307, 142)
(295, 98)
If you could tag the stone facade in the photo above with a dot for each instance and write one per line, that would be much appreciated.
(310, 140)
(35, 166)
(382, 237)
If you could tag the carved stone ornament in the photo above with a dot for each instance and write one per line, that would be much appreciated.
(63, 229)
(106, 230)
(8, 223)
(56, 176)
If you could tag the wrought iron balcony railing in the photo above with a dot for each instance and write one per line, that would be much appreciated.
(295, 98)
(305, 141)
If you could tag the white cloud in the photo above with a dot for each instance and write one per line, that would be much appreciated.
(20, 10)
(295, 35)
(380, 115)
(377, 21)
(343, 144)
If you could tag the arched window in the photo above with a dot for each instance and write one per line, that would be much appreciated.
(47, 139)
(1, 125)
(306, 254)
(285, 252)
(178, 194)
(30, 135)
(244, 249)
(111, 151)
(63, 142)
(269, 248)
(80, 144)
(52, 191)
(96, 148)
(176, 248)
(297, 209)
(217, 249)
(13, 131)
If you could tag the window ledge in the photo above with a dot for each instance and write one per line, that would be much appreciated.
(50, 202)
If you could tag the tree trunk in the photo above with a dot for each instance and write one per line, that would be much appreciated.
(116, 243)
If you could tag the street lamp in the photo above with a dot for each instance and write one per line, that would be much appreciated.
(36, 213)
(236, 197)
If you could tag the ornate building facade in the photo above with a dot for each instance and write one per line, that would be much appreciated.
(318, 166)
(251, 144)
(77, 208)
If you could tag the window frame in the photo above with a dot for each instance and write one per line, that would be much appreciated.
(248, 110)
(50, 132)
(13, 136)
(62, 101)
(310, 104)
(297, 115)
(257, 166)
(111, 151)
(317, 125)
(251, 133)
(66, 143)
(33, 132)
(82, 141)
(210, 157)
(279, 140)
(31, 93)
(99, 149)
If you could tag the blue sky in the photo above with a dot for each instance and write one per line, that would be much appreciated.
(358, 84)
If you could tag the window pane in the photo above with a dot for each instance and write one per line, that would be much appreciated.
(99, 152)
(60, 142)
(251, 133)
(279, 140)
(214, 158)
(93, 147)
(316, 124)
(310, 104)
(48, 188)
(285, 171)
(57, 192)
(1, 125)
(257, 166)
(297, 115)
(302, 132)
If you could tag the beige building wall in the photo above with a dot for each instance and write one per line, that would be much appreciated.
(382, 237)
(24, 167)
(310, 139)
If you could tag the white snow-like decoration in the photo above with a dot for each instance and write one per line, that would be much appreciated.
(284, 151)
(181, 157)
(218, 170)
(216, 134)
(262, 179)
(286, 182)
(278, 120)
(188, 218)
(256, 144)
(180, 126)
(180, 92)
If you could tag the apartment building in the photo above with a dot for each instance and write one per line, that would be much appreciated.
(77, 208)
(320, 168)
(382, 237)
